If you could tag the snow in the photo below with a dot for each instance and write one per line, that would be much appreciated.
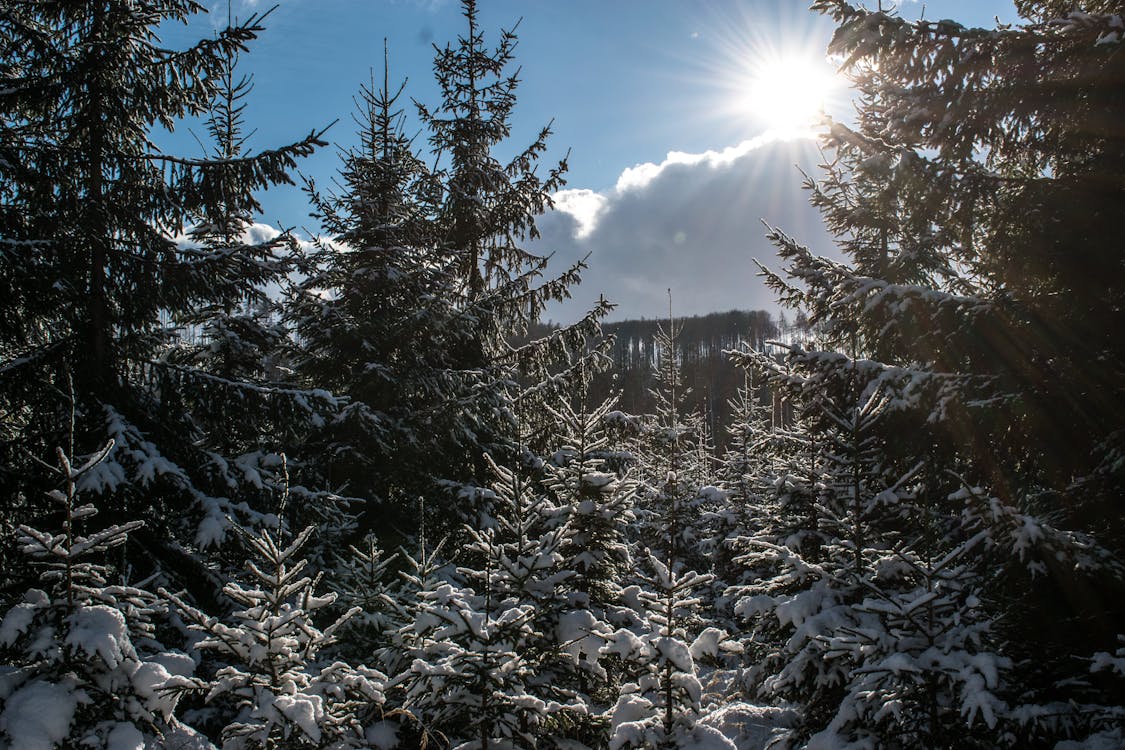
(1113, 739)
(710, 642)
(675, 651)
(582, 637)
(627, 719)
(124, 736)
(211, 532)
(306, 711)
(382, 735)
(99, 630)
(152, 678)
(624, 643)
(703, 737)
(19, 617)
(38, 715)
(750, 726)
(180, 737)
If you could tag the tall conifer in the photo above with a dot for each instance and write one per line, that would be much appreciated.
(96, 283)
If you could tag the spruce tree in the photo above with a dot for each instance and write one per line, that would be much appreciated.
(81, 663)
(89, 217)
(486, 209)
(487, 645)
(973, 200)
(274, 687)
(661, 702)
(414, 304)
(374, 323)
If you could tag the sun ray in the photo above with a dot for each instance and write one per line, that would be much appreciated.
(763, 72)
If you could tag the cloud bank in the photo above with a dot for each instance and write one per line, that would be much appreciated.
(692, 223)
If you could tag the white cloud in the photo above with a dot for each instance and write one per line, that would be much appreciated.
(258, 233)
(583, 205)
(691, 223)
(641, 175)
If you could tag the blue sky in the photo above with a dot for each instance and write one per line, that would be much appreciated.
(671, 166)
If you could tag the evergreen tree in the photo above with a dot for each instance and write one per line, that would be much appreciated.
(662, 701)
(670, 450)
(660, 706)
(846, 549)
(89, 213)
(275, 690)
(486, 208)
(742, 472)
(363, 581)
(977, 166)
(238, 336)
(415, 302)
(80, 664)
(487, 650)
(375, 324)
(595, 504)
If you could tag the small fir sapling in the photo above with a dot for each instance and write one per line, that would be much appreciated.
(485, 649)
(364, 579)
(662, 703)
(663, 700)
(276, 688)
(81, 663)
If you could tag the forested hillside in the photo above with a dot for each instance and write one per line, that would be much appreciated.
(373, 502)
(709, 378)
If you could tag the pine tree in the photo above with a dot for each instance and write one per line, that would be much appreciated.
(275, 689)
(375, 325)
(413, 307)
(596, 503)
(486, 646)
(977, 168)
(670, 450)
(238, 336)
(363, 580)
(81, 662)
(660, 706)
(661, 703)
(89, 215)
(485, 209)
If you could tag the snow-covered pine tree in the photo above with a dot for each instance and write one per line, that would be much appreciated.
(960, 198)
(595, 503)
(486, 209)
(276, 688)
(241, 339)
(80, 664)
(420, 575)
(780, 484)
(364, 579)
(670, 492)
(661, 704)
(486, 645)
(662, 701)
(85, 186)
(832, 572)
(924, 674)
(746, 474)
(375, 323)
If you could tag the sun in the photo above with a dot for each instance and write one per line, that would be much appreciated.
(760, 70)
(790, 94)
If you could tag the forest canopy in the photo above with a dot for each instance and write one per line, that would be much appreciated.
(357, 493)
